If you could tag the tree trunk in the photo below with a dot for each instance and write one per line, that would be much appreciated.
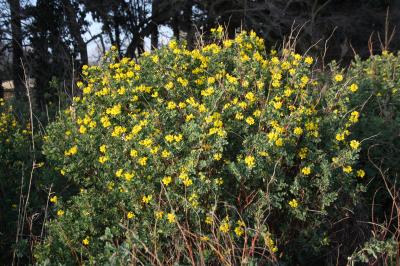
(188, 24)
(16, 34)
(1, 90)
(175, 26)
(154, 32)
(74, 28)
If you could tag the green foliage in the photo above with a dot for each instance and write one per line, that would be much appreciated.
(223, 154)
(379, 98)
(14, 158)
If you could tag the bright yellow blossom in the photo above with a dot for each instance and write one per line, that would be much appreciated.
(224, 227)
(338, 77)
(167, 180)
(250, 120)
(130, 215)
(354, 144)
(347, 169)
(142, 161)
(298, 131)
(146, 199)
(103, 148)
(85, 241)
(171, 217)
(293, 203)
(309, 60)
(53, 199)
(353, 87)
(250, 161)
(361, 173)
(306, 170)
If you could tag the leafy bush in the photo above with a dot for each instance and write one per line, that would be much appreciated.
(14, 153)
(378, 98)
(224, 154)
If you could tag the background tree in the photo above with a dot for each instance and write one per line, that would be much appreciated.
(17, 50)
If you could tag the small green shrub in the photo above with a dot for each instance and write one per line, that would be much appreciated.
(378, 99)
(220, 155)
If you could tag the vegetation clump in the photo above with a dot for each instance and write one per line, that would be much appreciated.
(227, 153)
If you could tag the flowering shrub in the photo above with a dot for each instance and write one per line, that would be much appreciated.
(378, 98)
(224, 154)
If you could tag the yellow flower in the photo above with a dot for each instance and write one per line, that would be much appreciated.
(159, 215)
(309, 60)
(279, 142)
(103, 159)
(239, 231)
(239, 116)
(128, 176)
(118, 130)
(338, 77)
(178, 137)
(146, 142)
(167, 180)
(169, 85)
(354, 144)
(187, 182)
(306, 170)
(304, 79)
(165, 154)
(207, 92)
(250, 97)
(155, 59)
(169, 138)
(60, 213)
(277, 105)
(250, 120)
(340, 137)
(293, 203)
(105, 121)
(354, 117)
(133, 153)
(115, 110)
(257, 113)
(209, 219)
(361, 173)
(171, 105)
(353, 87)
(53, 199)
(347, 169)
(87, 90)
(85, 241)
(250, 161)
(146, 199)
(298, 131)
(211, 80)
(73, 150)
(103, 148)
(217, 156)
(202, 108)
(130, 215)
(171, 217)
(119, 172)
(142, 161)
(224, 227)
